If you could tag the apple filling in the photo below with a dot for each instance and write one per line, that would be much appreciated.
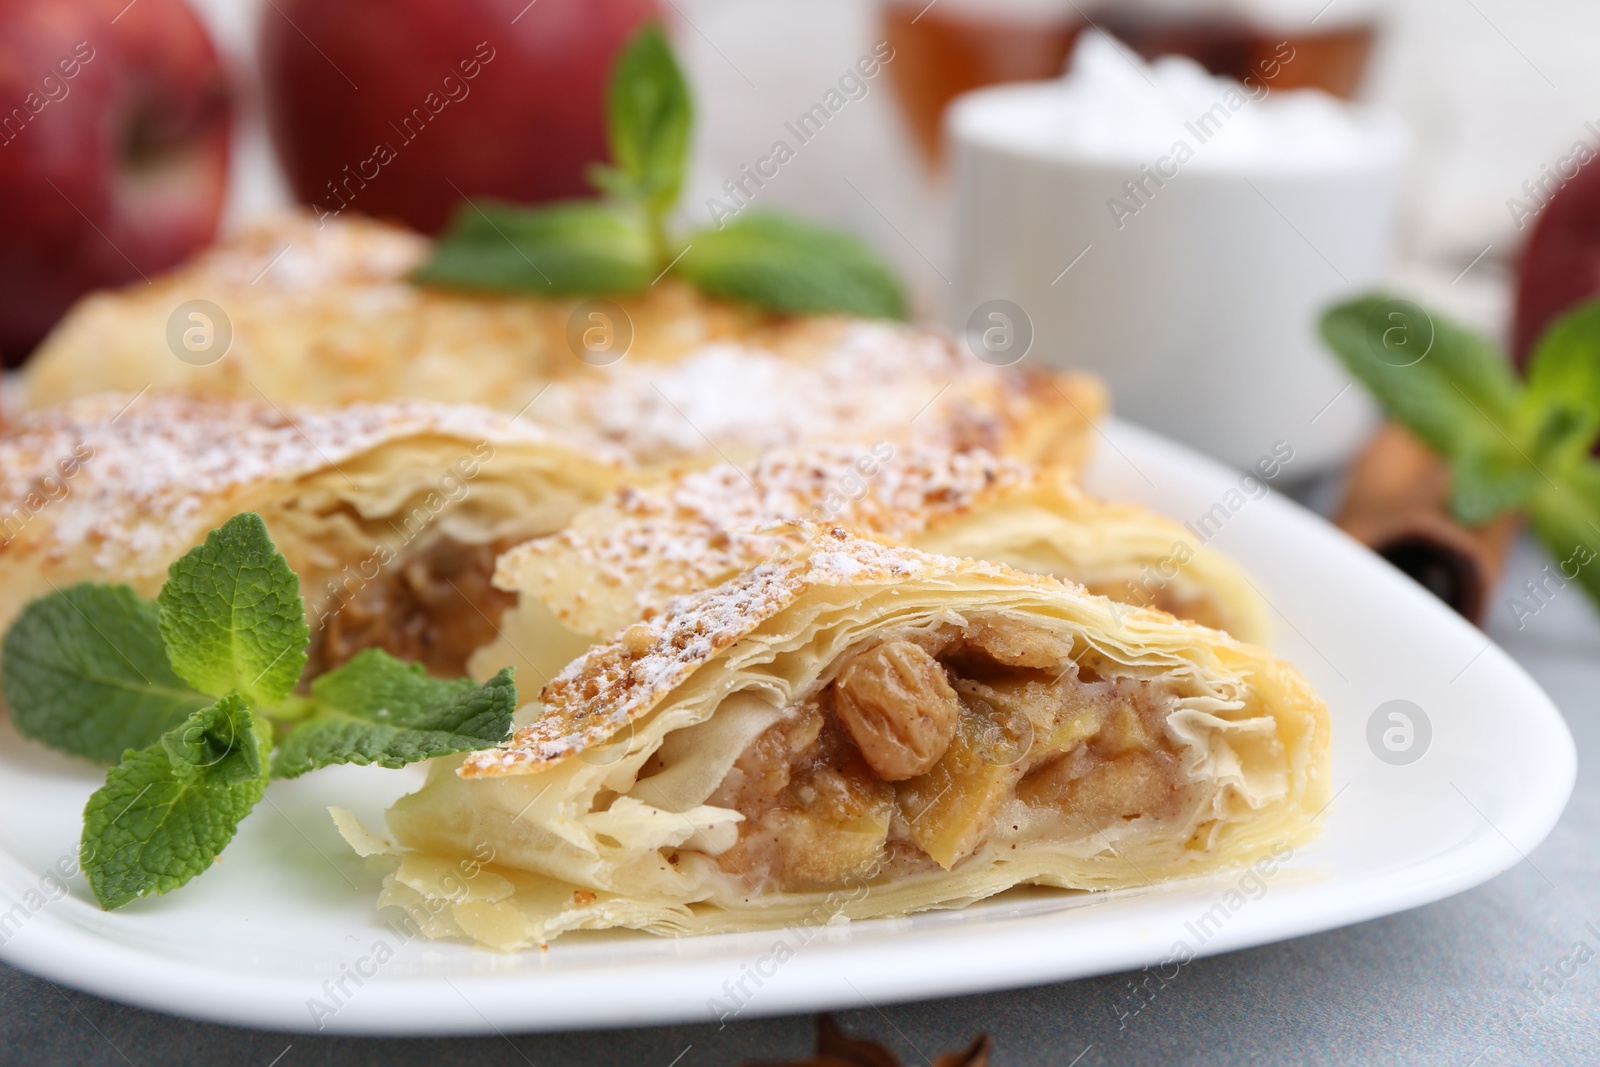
(435, 606)
(927, 747)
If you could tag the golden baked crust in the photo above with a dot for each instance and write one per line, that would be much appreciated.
(617, 682)
(828, 379)
(628, 557)
(325, 315)
(114, 488)
(623, 678)
(646, 545)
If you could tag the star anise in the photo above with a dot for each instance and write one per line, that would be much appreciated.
(834, 1049)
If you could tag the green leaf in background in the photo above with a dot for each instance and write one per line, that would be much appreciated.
(168, 810)
(621, 245)
(84, 671)
(377, 709)
(1564, 371)
(1508, 446)
(792, 266)
(232, 617)
(1561, 435)
(575, 247)
(1447, 384)
(648, 117)
(1567, 520)
(1487, 483)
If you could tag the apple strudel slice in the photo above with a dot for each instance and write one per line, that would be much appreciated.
(627, 557)
(859, 730)
(311, 312)
(391, 514)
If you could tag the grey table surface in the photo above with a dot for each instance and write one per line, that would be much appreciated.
(1499, 975)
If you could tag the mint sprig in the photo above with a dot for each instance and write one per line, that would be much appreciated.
(186, 692)
(649, 114)
(623, 244)
(377, 709)
(792, 266)
(1510, 445)
(168, 810)
(576, 247)
(85, 671)
(232, 617)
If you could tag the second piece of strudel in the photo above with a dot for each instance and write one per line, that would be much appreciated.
(391, 514)
(628, 557)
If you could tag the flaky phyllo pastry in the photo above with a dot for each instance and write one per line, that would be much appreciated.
(827, 380)
(626, 558)
(391, 514)
(857, 730)
(325, 314)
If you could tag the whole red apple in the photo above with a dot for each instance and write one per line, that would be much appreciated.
(398, 108)
(1560, 264)
(114, 125)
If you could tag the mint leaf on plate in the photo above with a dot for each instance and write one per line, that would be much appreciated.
(168, 810)
(84, 671)
(787, 265)
(232, 617)
(377, 709)
(648, 118)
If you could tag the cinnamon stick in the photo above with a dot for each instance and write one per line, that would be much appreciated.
(1397, 503)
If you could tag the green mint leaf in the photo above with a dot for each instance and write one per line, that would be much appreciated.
(790, 266)
(575, 247)
(232, 616)
(84, 671)
(1566, 517)
(1448, 385)
(1564, 370)
(377, 709)
(217, 743)
(1485, 484)
(1562, 436)
(168, 810)
(648, 117)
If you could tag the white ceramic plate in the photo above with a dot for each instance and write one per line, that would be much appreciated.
(290, 909)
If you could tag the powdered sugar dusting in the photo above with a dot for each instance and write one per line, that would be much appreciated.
(614, 684)
(704, 526)
(151, 467)
(291, 253)
(845, 382)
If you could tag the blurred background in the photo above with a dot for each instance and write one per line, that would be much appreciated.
(1492, 91)
(1176, 225)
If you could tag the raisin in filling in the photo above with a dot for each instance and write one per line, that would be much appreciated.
(907, 760)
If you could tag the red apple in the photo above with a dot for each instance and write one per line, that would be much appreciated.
(114, 125)
(1560, 264)
(398, 108)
